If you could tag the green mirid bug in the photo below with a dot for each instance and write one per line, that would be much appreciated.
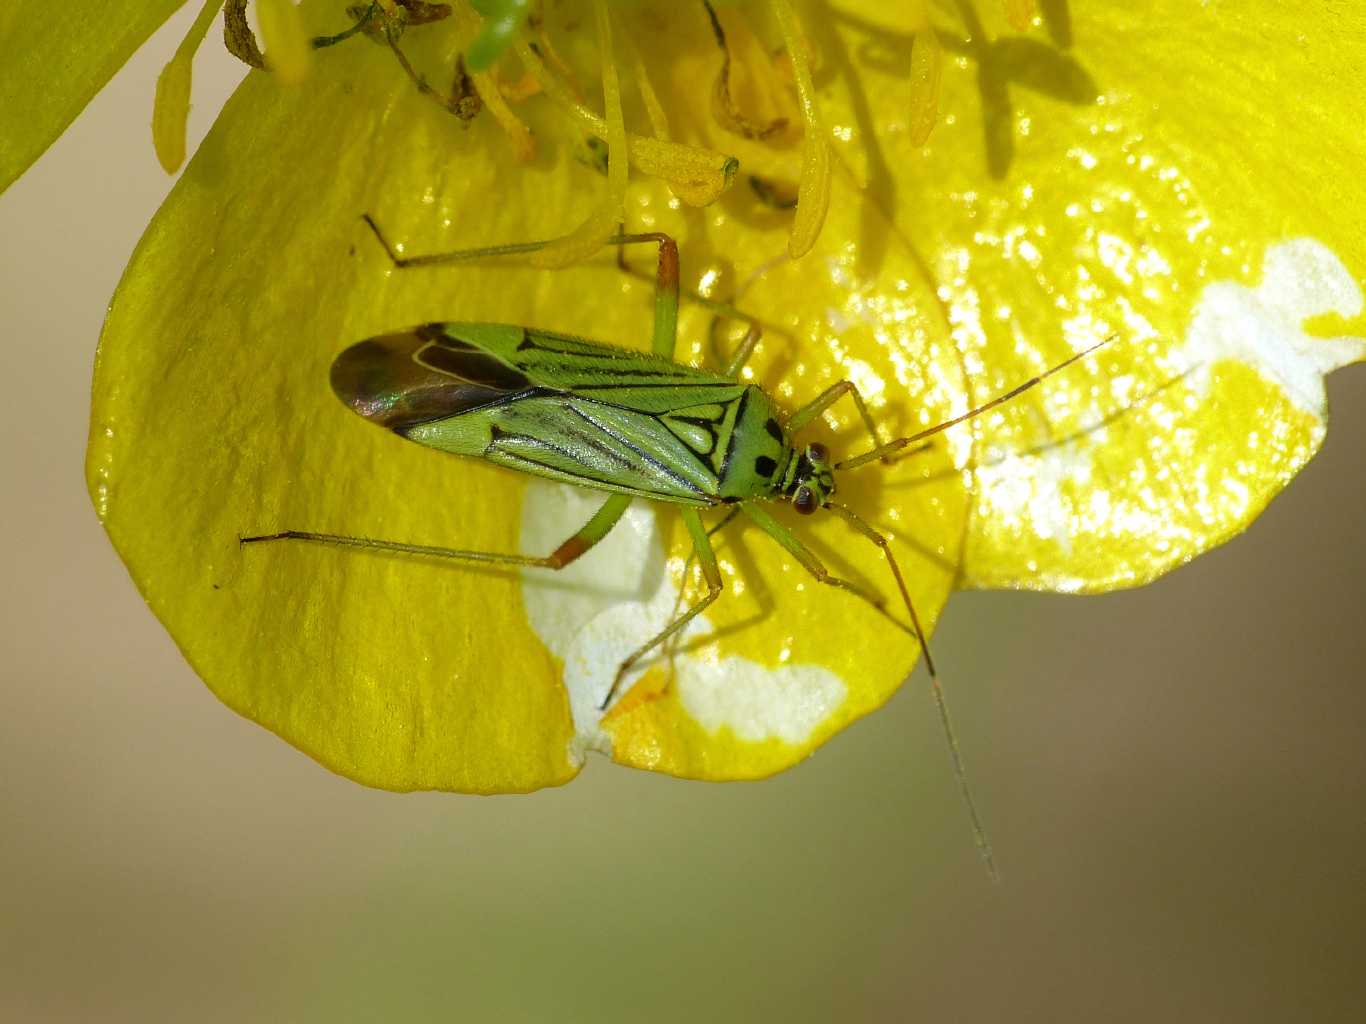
(630, 424)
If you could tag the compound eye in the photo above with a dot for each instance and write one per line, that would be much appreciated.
(817, 454)
(804, 501)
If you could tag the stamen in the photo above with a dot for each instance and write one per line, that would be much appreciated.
(927, 74)
(522, 89)
(464, 102)
(654, 110)
(697, 176)
(519, 135)
(693, 195)
(171, 108)
(616, 120)
(289, 52)
(241, 43)
(813, 193)
(592, 234)
(391, 34)
(419, 12)
(724, 107)
(546, 48)
(1019, 13)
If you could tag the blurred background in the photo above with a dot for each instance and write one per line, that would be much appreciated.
(1174, 778)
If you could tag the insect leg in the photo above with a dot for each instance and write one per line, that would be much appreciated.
(742, 354)
(827, 398)
(665, 341)
(666, 276)
(712, 531)
(582, 541)
(807, 557)
(712, 573)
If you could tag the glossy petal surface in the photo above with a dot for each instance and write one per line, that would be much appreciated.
(1076, 188)
(1177, 176)
(214, 418)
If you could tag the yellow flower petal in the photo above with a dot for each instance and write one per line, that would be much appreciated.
(213, 418)
(57, 56)
(1191, 200)
(1068, 194)
(1019, 13)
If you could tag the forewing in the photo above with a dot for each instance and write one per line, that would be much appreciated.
(562, 437)
(630, 380)
(412, 377)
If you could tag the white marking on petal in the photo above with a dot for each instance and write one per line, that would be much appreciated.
(594, 613)
(788, 703)
(1263, 327)
(1029, 489)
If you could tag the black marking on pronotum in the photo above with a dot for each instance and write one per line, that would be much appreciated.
(734, 435)
(765, 466)
(774, 430)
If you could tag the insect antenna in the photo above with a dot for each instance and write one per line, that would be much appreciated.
(901, 442)
(979, 832)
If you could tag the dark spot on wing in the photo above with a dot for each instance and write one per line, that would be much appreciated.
(383, 380)
(774, 431)
(470, 365)
(765, 466)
